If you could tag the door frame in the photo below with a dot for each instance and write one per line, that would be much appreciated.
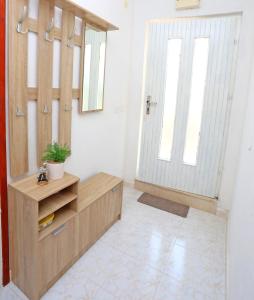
(3, 160)
(231, 88)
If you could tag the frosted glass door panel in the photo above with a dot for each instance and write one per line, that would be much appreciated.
(173, 66)
(199, 73)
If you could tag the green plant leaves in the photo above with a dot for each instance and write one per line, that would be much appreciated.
(56, 153)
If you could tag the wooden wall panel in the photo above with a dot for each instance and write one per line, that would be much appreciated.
(17, 90)
(68, 21)
(45, 58)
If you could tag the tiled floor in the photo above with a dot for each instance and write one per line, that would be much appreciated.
(150, 255)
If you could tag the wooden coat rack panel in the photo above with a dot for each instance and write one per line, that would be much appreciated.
(18, 43)
(45, 69)
(19, 93)
(68, 21)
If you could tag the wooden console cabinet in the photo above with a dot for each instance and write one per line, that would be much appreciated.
(83, 212)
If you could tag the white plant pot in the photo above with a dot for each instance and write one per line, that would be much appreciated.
(55, 170)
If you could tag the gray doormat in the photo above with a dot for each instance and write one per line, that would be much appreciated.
(163, 204)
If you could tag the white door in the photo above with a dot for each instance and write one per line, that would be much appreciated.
(188, 89)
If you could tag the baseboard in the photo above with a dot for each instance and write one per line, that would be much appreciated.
(196, 201)
(223, 213)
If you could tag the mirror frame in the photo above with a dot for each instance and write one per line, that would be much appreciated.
(82, 67)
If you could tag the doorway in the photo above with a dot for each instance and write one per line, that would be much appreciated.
(189, 85)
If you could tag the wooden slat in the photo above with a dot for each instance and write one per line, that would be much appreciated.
(77, 40)
(33, 27)
(45, 62)
(56, 94)
(65, 116)
(17, 91)
(75, 93)
(58, 33)
(33, 94)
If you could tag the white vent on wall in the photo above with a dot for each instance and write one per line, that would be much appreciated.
(184, 4)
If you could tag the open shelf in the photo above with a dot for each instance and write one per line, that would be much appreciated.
(55, 202)
(62, 216)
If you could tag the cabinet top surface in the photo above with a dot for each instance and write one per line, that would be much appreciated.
(31, 189)
(95, 187)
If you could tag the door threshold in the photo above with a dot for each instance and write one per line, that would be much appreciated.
(203, 203)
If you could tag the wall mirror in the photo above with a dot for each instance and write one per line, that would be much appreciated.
(93, 69)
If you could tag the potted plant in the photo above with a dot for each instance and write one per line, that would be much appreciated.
(55, 155)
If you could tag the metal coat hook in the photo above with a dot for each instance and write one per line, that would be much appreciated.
(45, 109)
(22, 18)
(48, 31)
(19, 113)
(66, 108)
(70, 38)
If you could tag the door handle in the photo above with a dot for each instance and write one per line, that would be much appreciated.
(115, 189)
(149, 103)
(58, 230)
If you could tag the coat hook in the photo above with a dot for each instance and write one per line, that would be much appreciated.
(22, 18)
(48, 31)
(66, 108)
(45, 109)
(19, 113)
(71, 37)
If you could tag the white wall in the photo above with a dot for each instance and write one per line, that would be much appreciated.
(97, 138)
(241, 221)
(146, 10)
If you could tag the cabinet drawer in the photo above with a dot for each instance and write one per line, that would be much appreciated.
(56, 251)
